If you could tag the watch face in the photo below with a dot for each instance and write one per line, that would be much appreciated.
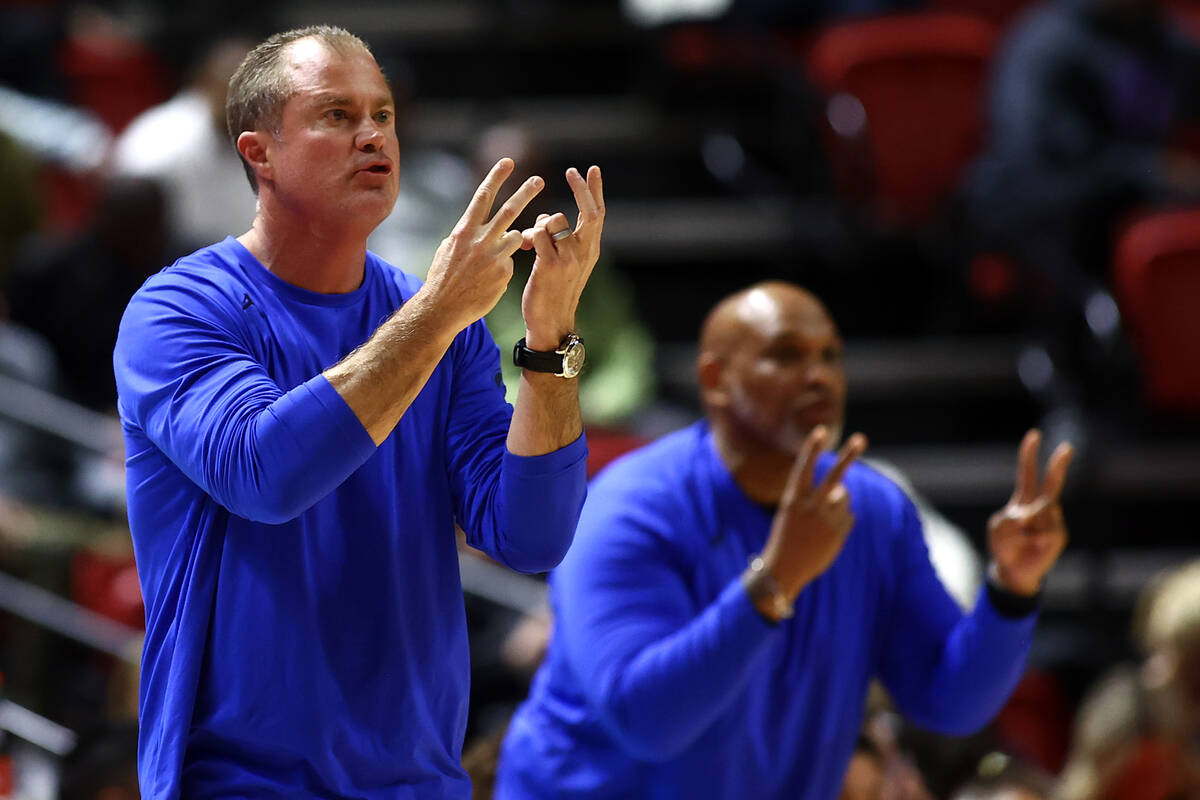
(572, 360)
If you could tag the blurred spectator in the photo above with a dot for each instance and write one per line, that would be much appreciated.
(107, 67)
(1137, 733)
(1000, 777)
(182, 144)
(864, 774)
(74, 292)
(1084, 98)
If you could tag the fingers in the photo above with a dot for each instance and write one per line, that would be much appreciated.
(527, 234)
(481, 202)
(596, 187)
(801, 477)
(1027, 481)
(852, 449)
(589, 194)
(514, 205)
(1056, 471)
(511, 242)
(543, 234)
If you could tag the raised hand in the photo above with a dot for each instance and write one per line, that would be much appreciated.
(473, 265)
(812, 522)
(562, 267)
(1028, 534)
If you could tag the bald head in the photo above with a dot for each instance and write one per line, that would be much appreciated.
(759, 310)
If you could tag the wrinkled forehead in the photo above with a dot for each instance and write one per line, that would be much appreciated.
(772, 314)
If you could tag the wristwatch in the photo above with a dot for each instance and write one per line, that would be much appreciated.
(761, 585)
(565, 362)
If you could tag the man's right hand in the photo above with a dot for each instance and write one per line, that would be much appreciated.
(473, 265)
(812, 522)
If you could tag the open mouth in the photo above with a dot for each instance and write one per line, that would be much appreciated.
(378, 169)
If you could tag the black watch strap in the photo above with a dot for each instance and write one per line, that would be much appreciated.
(537, 360)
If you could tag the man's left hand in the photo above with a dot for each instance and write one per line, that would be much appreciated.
(1028, 534)
(562, 268)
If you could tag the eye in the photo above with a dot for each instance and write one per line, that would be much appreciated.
(831, 355)
(383, 117)
(783, 355)
(336, 114)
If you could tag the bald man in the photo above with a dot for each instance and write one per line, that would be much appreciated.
(733, 588)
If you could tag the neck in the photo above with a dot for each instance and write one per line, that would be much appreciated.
(323, 258)
(759, 469)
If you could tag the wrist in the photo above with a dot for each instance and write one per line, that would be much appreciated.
(1005, 601)
(765, 593)
(546, 337)
(425, 308)
(1002, 579)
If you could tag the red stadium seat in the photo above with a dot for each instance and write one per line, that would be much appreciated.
(905, 109)
(1156, 276)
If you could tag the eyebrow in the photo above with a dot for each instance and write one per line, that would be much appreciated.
(329, 99)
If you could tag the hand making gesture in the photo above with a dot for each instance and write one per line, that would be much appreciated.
(1028, 534)
(812, 522)
(473, 265)
(564, 262)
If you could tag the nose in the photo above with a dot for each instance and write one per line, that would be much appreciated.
(369, 139)
(819, 375)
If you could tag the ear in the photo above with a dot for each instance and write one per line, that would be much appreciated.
(254, 148)
(710, 372)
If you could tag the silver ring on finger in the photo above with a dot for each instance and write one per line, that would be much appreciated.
(563, 234)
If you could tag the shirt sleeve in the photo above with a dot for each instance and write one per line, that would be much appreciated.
(658, 668)
(948, 672)
(520, 510)
(189, 383)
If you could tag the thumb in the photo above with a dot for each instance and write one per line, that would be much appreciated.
(527, 239)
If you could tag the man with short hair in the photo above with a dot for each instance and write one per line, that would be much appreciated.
(676, 670)
(304, 426)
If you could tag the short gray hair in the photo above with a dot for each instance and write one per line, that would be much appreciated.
(260, 87)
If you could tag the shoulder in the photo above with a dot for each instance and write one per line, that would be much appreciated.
(654, 493)
(657, 471)
(208, 283)
(878, 500)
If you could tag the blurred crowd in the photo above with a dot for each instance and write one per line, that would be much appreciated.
(952, 167)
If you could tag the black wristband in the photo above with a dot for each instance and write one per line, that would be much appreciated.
(1010, 604)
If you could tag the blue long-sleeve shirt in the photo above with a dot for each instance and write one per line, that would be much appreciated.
(305, 632)
(663, 681)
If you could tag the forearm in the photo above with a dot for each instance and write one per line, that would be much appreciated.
(271, 465)
(975, 673)
(671, 691)
(380, 379)
(539, 504)
(546, 416)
